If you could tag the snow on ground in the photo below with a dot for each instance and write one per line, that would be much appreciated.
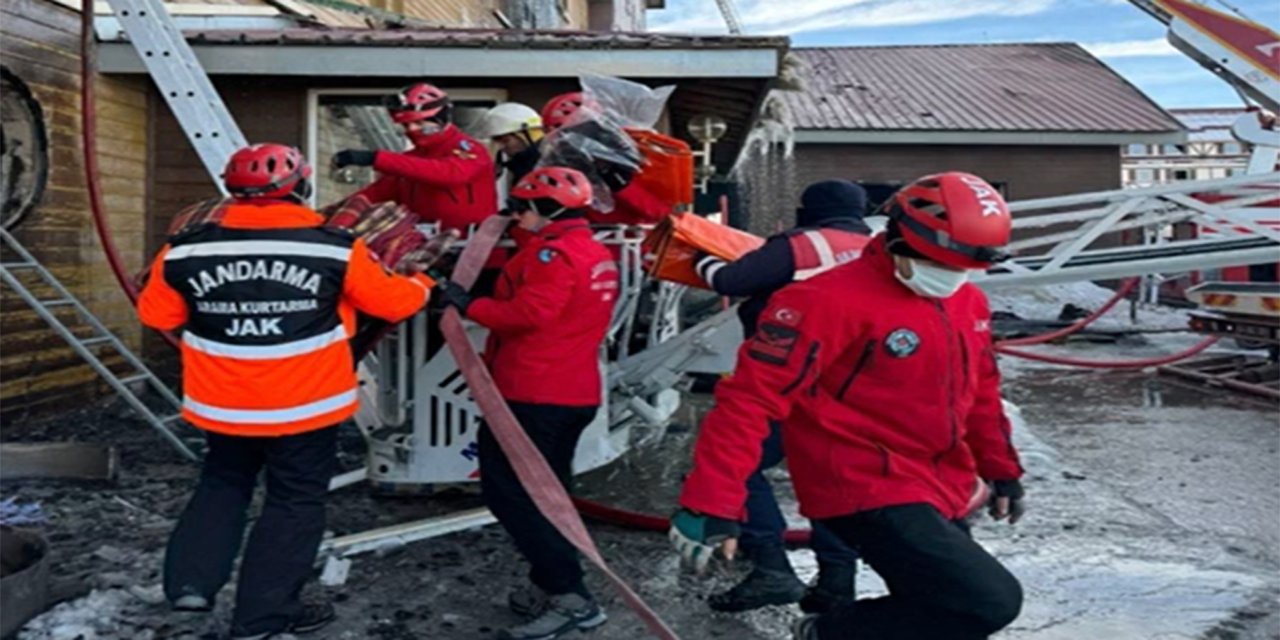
(1046, 302)
(1153, 517)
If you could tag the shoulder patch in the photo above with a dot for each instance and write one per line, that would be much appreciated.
(773, 342)
(465, 145)
(546, 254)
(789, 317)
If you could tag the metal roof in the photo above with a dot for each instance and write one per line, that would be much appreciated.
(1031, 88)
(1210, 118)
(478, 38)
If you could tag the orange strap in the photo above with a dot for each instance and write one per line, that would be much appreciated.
(532, 469)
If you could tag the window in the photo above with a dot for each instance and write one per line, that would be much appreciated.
(1181, 174)
(1136, 150)
(1170, 150)
(1232, 148)
(1145, 176)
(1236, 171)
(24, 150)
(340, 119)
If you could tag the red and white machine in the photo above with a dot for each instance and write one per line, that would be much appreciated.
(1246, 55)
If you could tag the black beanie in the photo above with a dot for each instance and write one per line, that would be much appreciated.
(830, 199)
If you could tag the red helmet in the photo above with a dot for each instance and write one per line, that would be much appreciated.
(266, 170)
(420, 101)
(956, 219)
(559, 109)
(568, 187)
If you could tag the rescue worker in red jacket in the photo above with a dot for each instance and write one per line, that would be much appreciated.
(547, 321)
(885, 374)
(632, 203)
(266, 300)
(447, 177)
(829, 232)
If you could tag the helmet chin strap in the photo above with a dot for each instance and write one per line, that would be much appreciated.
(533, 204)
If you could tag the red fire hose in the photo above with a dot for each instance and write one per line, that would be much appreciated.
(1079, 324)
(546, 491)
(89, 144)
(1111, 364)
(648, 522)
(1003, 346)
(88, 132)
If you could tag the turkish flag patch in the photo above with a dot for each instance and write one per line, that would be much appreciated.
(773, 343)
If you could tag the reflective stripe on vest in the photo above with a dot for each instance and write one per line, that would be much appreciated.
(265, 352)
(258, 247)
(270, 416)
(819, 250)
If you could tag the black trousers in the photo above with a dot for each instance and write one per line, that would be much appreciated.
(282, 546)
(554, 565)
(942, 584)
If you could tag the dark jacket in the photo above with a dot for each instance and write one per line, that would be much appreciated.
(757, 275)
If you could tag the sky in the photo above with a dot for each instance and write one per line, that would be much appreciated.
(1123, 36)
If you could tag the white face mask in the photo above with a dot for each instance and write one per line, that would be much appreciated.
(931, 281)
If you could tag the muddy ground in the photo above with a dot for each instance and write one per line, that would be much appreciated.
(1155, 515)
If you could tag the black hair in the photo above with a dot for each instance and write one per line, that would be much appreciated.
(897, 244)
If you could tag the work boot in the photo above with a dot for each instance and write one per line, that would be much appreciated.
(836, 586)
(529, 601)
(563, 613)
(761, 587)
(806, 628)
(312, 618)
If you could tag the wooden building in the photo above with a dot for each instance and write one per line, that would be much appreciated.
(288, 71)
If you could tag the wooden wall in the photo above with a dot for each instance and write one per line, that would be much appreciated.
(39, 42)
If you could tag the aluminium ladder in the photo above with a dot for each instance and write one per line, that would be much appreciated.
(100, 337)
(186, 87)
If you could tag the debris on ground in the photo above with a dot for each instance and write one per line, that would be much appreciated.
(1127, 536)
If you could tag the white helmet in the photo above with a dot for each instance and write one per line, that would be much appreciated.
(510, 117)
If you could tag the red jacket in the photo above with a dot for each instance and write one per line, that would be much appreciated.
(888, 398)
(548, 317)
(633, 204)
(449, 181)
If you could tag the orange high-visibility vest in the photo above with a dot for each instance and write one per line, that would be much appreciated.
(267, 299)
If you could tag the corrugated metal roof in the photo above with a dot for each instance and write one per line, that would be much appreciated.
(1030, 87)
(491, 38)
(1214, 118)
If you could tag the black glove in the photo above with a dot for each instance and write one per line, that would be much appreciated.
(1007, 500)
(448, 293)
(354, 158)
(616, 176)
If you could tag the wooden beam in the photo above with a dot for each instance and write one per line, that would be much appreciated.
(187, 9)
(76, 460)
